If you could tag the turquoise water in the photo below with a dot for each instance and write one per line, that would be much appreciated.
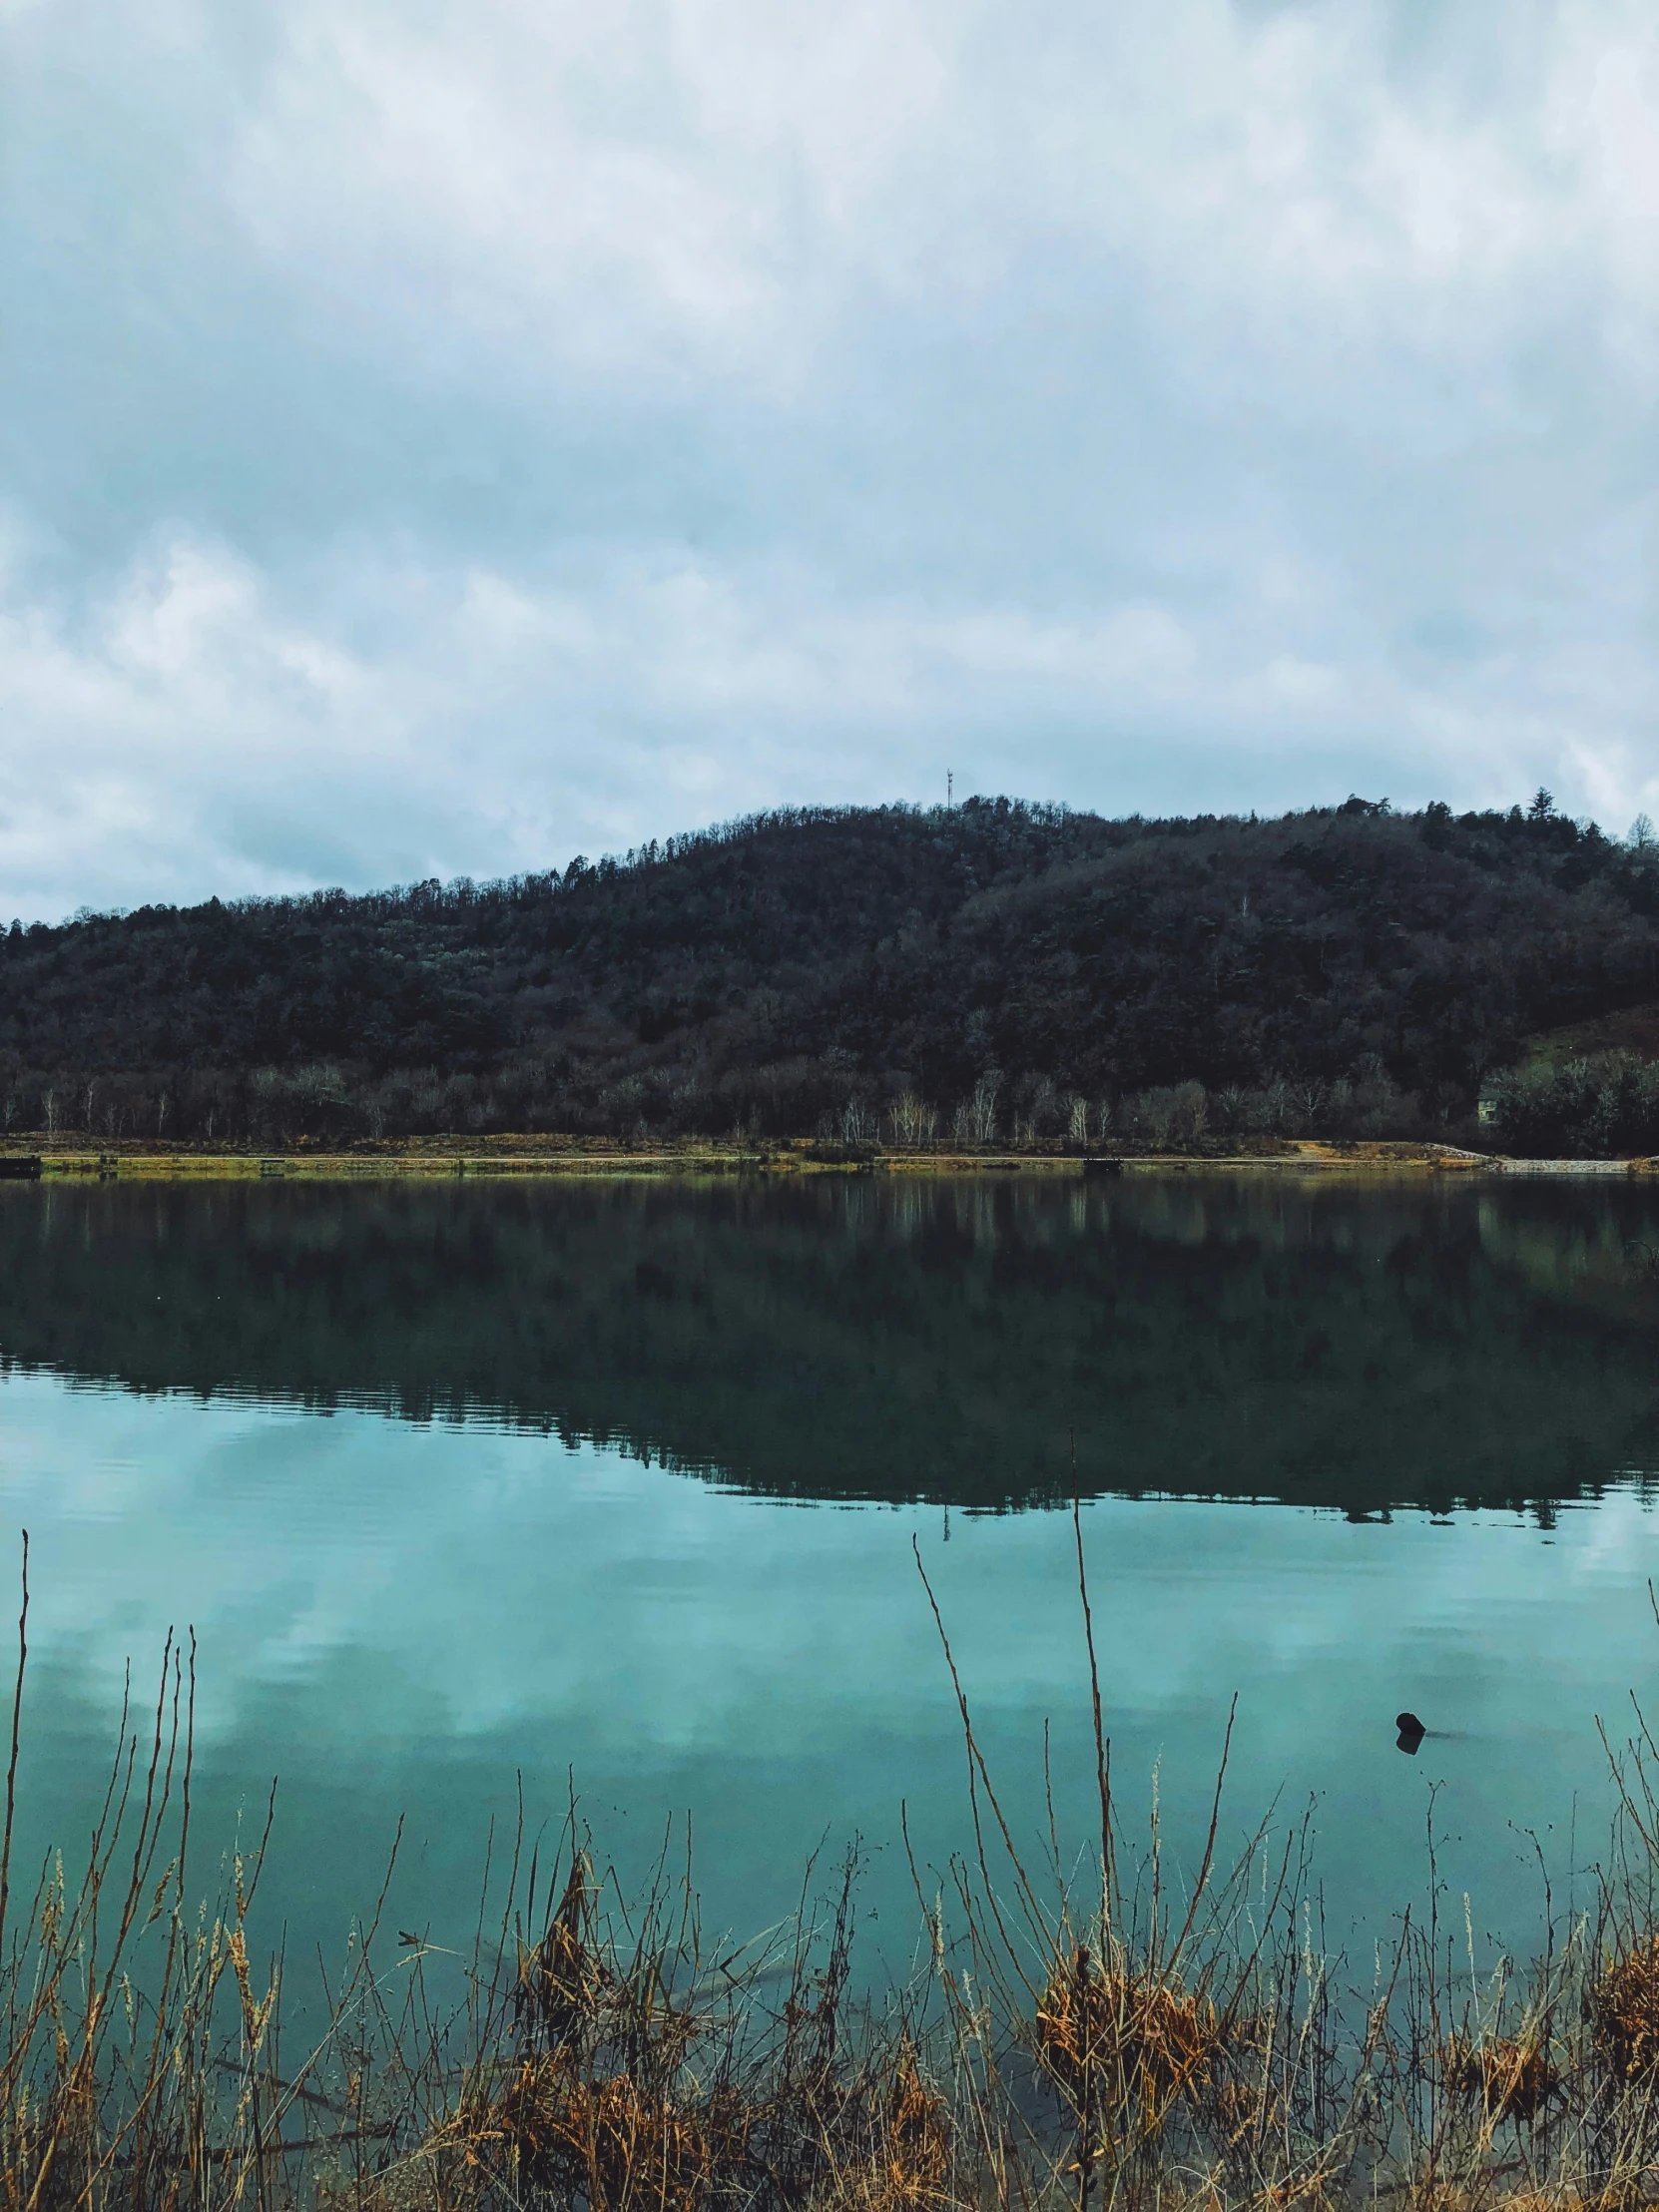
(615, 1489)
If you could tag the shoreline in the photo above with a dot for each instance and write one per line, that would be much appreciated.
(36, 1159)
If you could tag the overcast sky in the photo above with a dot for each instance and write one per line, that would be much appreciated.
(440, 438)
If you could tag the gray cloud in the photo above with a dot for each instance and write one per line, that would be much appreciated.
(435, 440)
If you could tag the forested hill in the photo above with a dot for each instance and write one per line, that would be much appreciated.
(991, 971)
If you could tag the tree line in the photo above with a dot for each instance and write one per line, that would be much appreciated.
(989, 973)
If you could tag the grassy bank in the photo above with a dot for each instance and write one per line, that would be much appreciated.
(1080, 2028)
(586, 1156)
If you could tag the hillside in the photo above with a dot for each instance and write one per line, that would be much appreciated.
(972, 973)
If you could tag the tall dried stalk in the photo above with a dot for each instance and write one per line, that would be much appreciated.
(1103, 2039)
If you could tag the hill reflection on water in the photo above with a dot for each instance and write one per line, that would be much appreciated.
(1334, 1343)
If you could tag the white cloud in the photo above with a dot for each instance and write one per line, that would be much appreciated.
(196, 732)
(441, 438)
(728, 162)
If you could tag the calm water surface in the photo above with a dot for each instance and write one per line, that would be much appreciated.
(617, 1486)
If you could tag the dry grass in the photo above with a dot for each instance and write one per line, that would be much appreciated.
(1072, 2044)
(1147, 2044)
(1624, 2005)
(1510, 2078)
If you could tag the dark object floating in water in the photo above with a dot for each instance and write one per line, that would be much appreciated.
(20, 1167)
(1412, 1733)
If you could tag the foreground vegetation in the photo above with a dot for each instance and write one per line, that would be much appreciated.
(989, 974)
(1077, 2033)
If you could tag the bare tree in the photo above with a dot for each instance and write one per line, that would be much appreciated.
(975, 1117)
(858, 1127)
(914, 1122)
(1045, 1113)
(1308, 1099)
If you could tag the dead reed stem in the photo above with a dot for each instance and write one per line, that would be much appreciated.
(1096, 2046)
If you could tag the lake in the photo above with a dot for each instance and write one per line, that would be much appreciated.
(469, 1486)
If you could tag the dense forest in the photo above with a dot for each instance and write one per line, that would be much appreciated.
(988, 973)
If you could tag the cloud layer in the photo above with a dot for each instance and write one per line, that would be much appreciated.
(435, 440)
